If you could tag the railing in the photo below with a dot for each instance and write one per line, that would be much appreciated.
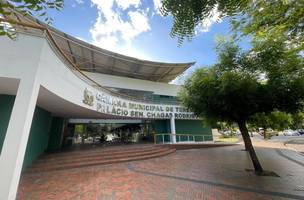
(181, 138)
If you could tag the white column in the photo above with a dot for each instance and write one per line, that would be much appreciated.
(173, 132)
(16, 138)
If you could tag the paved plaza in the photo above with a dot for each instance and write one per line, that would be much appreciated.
(210, 173)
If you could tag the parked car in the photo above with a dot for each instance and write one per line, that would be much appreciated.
(290, 132)
(301, 131)
(261, 131)
(228, 133)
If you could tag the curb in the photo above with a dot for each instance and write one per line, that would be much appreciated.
(281, 153)
(293, 149)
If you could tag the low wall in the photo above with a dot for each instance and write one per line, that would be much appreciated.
(196, 146)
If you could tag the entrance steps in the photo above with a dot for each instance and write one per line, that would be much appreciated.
(97, 156)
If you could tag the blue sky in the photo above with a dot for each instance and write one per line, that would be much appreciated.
(136, 28)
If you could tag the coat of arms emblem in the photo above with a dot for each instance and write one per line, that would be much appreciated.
(88, 97)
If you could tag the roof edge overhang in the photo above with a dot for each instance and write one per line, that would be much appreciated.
(114, 54)
(164, 77)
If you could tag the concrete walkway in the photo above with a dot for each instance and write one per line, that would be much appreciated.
(296, 144)
(212, 173)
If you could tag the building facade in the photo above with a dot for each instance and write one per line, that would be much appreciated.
(49, 80)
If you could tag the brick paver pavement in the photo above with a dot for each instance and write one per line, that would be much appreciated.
(212, 173)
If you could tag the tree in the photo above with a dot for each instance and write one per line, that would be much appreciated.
(228, 96)
(297, 120)
(265, 20)
(272, 21)
(214, 123)
(280, 120)
(276, 120)
(189, 14)
(26, 7)
(233, 90)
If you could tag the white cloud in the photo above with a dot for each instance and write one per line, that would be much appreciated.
(119, 22)
(205, 25)
(116, 26)
(128, 50)
(157, 5)
(79, 1)
(124, 4)
(139, 23)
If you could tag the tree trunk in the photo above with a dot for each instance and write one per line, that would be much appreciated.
(249, 147)
(264, 134)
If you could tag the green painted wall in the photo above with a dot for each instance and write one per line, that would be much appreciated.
(193, 127)
(164, 99)
(40, 132)
(6, 106)
(39, 136)
(162, 126)
(55, 134)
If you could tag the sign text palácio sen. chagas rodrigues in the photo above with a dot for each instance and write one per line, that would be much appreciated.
(108, 104)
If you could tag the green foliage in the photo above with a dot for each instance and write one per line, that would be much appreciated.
(26, 7)
(225, 96)
(272, 21)
(233, 90)
(228, 136)
(220, 125)
(259, 120)
(297, 120)
(276, 120)
(280, 120)
(267, 21)
(188, 14)
(79, 129)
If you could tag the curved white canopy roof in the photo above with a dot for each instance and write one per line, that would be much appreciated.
(94, 59)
